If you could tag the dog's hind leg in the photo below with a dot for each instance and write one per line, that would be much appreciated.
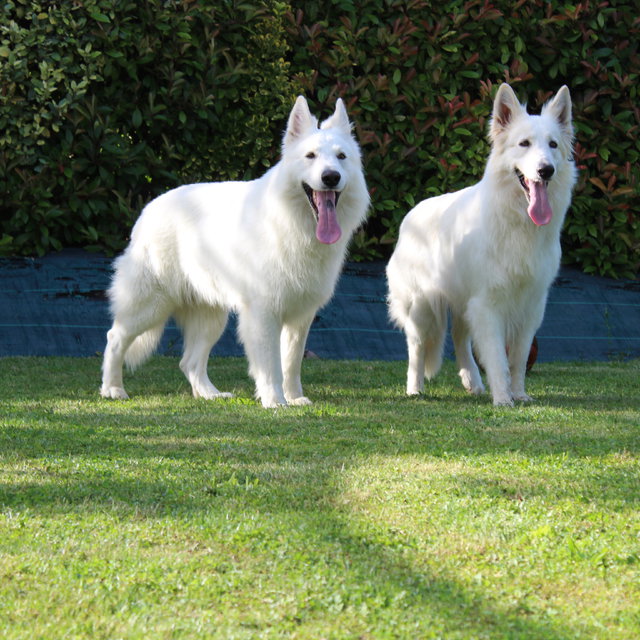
(292, 342)
(140, 311)
(118, 341)
(138, 333)
(467, 367)
(202, 327)
(425, 328)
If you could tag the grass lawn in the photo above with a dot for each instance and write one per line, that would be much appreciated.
(366, 515)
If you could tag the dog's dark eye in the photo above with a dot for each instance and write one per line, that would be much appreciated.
(524, 143)
(311, 155)
(341, 156)
(553, 144)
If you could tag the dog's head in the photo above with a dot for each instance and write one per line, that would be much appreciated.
(533, 150)
(327, 158)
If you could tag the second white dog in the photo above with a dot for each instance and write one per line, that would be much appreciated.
(488, 253)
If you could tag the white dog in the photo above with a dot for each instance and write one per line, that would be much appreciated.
(270, 249)
(488, 253)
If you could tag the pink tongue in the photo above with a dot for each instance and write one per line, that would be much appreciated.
(328, 230)
(539, 208)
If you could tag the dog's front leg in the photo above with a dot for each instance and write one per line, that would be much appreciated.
(518, 353)
(488, 331)
(519, 348)
(292, 343)
(259, 330)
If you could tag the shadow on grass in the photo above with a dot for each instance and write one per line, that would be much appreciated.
(281, 481)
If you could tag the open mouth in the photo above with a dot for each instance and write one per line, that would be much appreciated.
(310, 194)
(323, 204)
(539, 208)
(524, 182)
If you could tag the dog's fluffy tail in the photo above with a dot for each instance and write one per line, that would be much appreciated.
(398, 310)
(143, 347)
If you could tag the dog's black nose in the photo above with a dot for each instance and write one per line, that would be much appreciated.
(330, 178)
(546, 172)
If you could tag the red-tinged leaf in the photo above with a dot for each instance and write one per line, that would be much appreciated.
(598, 183)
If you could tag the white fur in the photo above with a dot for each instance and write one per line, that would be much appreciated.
(203, 250)
(478, 254)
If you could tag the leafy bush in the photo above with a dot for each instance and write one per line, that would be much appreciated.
(105, 104)
(419, 78)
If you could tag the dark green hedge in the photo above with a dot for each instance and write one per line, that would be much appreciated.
(104, 104)
(419, 79)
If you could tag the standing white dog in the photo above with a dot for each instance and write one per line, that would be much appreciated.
(488, 253)
(270, 249)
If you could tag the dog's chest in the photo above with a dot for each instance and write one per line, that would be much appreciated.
(523, 263)
(304, 278)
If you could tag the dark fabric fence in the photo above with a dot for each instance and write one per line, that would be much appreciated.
(56, 305)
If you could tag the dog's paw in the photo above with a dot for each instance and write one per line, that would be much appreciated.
(522, 397)
(273, 405)
(474, 389)
(502, 401)
(114, 393)
(209, 392)
(471, 383)
(301, 401)
(272, 402)
(213, 395)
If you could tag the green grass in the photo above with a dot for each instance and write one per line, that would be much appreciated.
(366, 515)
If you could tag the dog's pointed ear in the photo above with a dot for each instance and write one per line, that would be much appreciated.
(339, 119)
(559, 107)
(505, 108)
(300, 121)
